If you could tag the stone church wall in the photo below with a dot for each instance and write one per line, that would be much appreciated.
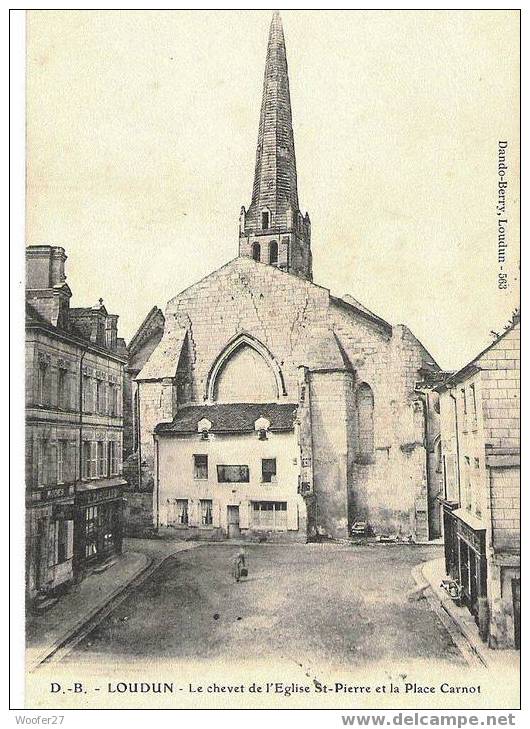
(301, 326)
(283, 312)
(331, 421)
(390, 491)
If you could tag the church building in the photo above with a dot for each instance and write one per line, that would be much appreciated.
(269, 408)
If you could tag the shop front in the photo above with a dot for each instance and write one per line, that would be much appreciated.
(465, 538)
(99, 523)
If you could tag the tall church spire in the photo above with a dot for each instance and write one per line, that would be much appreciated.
(273, 229)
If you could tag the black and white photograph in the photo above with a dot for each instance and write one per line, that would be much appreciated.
(272, 359)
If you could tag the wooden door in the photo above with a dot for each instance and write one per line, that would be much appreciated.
(233, 522)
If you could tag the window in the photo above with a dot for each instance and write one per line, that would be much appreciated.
(206, 512)
(62, 389)
(181, 511)
(256, 251)
(42, 470)
(113, 458)
(61, 460)
(87, 394)
(42, 384)
(464, 401)
(93, 459)
(232, 474)
(268, 470)
(58, 551)
(473, 398)
(87, 458)
(467, 483)
(273, 253)
(265, 219)
(100, 396)
(200, 467)
(102, 466)
(113, 397)
(91, 531)
(62, 541)
(269, 514)
(365, 423)
(90, 459)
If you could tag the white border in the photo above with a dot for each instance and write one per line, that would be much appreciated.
(308, 719)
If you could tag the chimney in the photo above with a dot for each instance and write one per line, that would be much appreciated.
(46, 287)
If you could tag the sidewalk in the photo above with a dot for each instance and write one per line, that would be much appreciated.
(500, 660)
(46, 632)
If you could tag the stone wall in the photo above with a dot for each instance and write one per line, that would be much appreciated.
(501, 392)
(330, 420)
(137, 513)
(301, 325)
(501, 589)
(390, 491)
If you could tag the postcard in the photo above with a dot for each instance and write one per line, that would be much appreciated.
(272, 370)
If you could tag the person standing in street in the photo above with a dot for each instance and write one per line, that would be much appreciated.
(240, 565)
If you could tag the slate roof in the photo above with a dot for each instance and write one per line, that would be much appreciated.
(34, 319)
(350, 304)
(231, 417)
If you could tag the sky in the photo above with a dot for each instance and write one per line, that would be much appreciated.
(141, 142)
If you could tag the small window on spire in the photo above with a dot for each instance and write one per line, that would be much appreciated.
(265, 219)
(256, 251)
(273, 253)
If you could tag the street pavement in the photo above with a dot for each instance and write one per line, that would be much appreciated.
(338, 604)
(48, 631)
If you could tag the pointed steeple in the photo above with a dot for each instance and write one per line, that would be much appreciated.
(273, 220)
(275, 175)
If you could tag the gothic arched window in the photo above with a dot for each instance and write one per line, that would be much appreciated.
(256, 251)
(365, 422)
(245, 376)
(273, 253)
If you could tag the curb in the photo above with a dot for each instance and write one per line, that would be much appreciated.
(489, 657)
(453, 627)
(65, 645)
(46, 653)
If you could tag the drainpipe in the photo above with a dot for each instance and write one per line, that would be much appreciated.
(81, 411)
(76, 557)
(423, 397)
(157, 483)
(139, 435)
(451, 395)
(425, 408)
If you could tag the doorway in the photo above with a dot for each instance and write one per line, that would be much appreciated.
(232, 518)
(40, 556)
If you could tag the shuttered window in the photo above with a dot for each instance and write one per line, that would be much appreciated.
(268, 470)
(269, 514)
(200, 466)
(206, 512)
(62, 454)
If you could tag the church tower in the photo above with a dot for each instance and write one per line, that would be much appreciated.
(273, 229)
